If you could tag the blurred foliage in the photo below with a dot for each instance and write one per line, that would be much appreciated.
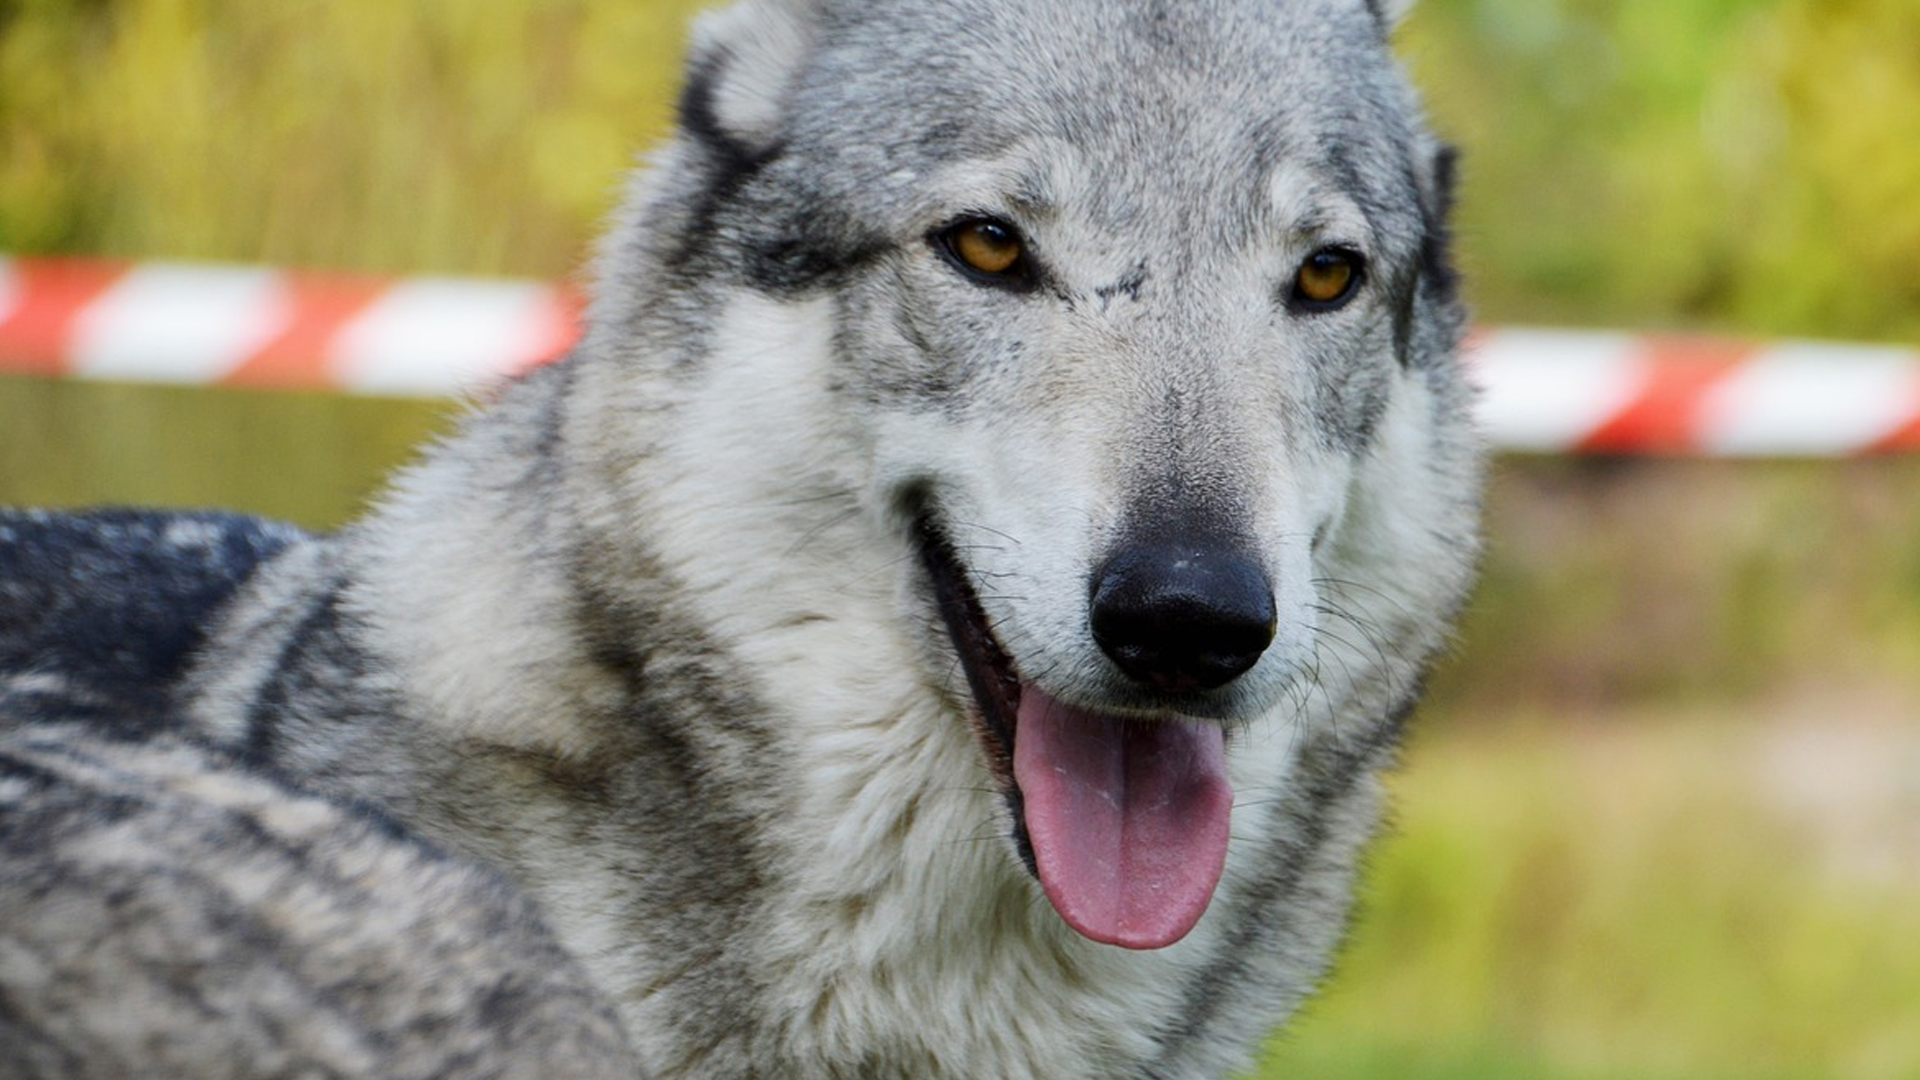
(1684, 896)
(1746, 165)
(1622, 582)
(478, 136)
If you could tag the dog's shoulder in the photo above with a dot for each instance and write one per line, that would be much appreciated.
(114, 602)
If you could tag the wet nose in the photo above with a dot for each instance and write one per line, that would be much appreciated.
(1182, 616)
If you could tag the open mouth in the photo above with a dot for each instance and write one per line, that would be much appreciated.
(1123, 820)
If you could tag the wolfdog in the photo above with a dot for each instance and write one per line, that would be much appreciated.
(949, 616)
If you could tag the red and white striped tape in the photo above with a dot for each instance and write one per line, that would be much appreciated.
(1555, 391)
(1547, 391)
(247, 326)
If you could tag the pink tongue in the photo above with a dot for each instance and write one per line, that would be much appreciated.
(1128, 818)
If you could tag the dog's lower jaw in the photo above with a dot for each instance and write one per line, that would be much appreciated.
(990, 674)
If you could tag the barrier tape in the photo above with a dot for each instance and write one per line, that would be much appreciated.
(246, 326)
(1546, 391)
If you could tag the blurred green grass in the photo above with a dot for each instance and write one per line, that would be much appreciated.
(1654, 826)
(1666, 894)
(312, 459)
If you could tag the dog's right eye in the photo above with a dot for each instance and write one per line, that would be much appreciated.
(1327, 279)
(987, 249)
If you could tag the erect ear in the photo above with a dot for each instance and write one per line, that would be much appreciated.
(741, 66)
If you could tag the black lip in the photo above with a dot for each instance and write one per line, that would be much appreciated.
(990, 672)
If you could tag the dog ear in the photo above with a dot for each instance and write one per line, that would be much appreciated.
(740, 69)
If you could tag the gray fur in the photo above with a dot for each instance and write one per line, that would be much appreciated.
(657, 635)
(168, 914)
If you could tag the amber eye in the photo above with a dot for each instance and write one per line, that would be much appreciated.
(988, 248)
(1327, 279)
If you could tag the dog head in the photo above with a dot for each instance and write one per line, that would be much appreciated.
(1143, 314)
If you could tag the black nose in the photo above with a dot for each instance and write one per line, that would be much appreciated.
(1178, 616)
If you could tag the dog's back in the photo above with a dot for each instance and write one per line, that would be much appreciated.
(169, 910)
(109, 606)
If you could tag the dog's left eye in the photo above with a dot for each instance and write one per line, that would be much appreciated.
(988, 249)
(1327, 279)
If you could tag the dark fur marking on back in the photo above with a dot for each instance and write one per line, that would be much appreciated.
(314, 644)
(116, 602)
